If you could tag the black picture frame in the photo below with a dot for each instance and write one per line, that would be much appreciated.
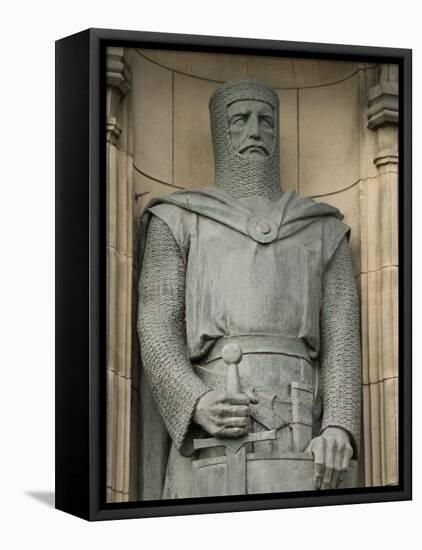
(81, 263)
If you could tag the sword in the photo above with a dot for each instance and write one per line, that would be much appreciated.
(236, 471)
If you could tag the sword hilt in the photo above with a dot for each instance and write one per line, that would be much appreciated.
(232, 355)
(236, 460)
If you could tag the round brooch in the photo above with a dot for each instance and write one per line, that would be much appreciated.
(262, 231)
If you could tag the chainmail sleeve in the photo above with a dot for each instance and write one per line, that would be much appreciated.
(161, 328)
(340, 356)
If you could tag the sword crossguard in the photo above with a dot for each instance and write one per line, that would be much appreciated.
(234, 445)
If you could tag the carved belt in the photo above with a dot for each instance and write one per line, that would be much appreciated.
(260, 343)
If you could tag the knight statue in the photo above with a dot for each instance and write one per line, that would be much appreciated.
(248, 320)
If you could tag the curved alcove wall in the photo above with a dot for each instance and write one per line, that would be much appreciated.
(162, 143)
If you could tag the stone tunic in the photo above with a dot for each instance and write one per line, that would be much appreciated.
(246, 275)
(256, 280)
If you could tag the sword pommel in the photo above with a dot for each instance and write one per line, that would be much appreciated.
(232, 354)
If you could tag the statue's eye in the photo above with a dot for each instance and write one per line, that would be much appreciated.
(238, 121)
(267, 122)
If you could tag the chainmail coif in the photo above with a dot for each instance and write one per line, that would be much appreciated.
(161, 327)
(237, 174)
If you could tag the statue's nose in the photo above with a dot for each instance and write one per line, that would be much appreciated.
(253, 126)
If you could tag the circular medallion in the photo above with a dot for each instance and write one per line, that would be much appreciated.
(262, 231)
(263, 227)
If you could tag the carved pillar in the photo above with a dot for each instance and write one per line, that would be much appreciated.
(119, 282)
(379, 285)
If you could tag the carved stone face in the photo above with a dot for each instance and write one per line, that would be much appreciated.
(251, 127)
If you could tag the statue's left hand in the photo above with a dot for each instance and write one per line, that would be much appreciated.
(332, 453)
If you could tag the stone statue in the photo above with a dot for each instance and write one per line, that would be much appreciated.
(248, 320)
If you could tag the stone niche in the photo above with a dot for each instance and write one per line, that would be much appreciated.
(338, 144)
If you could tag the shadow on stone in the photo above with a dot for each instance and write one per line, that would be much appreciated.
(45, 497)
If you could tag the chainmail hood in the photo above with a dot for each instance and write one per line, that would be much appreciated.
(239, 175)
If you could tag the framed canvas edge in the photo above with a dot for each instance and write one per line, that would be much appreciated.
(94, 447)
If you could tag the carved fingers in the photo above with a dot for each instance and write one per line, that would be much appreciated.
(337, 469)
(332, 454)
(317, 448)
(223, 414)
(232, 398)
(347, 456)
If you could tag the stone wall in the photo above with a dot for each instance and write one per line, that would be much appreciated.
(119, 274)
(338, 144)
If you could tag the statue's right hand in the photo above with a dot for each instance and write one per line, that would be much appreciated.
(223, 414)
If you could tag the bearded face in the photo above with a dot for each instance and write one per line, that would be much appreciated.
(251, 127)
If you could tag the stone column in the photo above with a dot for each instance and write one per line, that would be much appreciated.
(379, 285)
(119, 276)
